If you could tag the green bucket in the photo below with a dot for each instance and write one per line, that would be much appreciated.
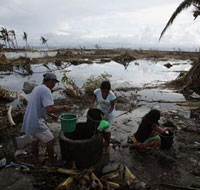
(103, 125)
(68, 122)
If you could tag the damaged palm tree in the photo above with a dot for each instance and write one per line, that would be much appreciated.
(44, 41)
(5, 36)
(191, 80)
(184, 5)
(14, 40)
(196, 11)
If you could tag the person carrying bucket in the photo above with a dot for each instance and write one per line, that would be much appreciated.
(106, 103)
(146, 135)
(34, 124)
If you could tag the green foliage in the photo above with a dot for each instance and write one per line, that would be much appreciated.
(68, 82)
(95, 82)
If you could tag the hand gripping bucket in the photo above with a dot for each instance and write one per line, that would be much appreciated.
(68, 122)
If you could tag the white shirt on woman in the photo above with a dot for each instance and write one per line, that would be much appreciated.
(104, 104)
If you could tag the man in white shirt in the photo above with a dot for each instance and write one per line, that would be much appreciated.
(41, 104)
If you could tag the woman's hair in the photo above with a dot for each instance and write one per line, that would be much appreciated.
(152, 116)
(105, 85)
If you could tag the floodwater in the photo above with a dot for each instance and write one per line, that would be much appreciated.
(136, 77)
(139, 73)
(14, 55)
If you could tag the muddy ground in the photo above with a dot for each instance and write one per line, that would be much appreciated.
(176, 168)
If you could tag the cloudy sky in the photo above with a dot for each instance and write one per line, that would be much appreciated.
(108, 23)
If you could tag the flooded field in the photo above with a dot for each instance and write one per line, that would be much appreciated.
(138, 74)
(136, 78)
(14, 55)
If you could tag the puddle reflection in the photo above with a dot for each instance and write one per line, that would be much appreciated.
(138, 74)
(147, 72)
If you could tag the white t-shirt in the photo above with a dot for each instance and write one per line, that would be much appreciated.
(104, 104)
(35, 112)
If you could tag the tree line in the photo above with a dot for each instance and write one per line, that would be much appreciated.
(9, 39)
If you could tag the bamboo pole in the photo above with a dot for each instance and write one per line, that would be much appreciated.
(10, 119)
(66, 184)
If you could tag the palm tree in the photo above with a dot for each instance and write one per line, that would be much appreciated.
(13, 34)
(196, 11)
(5, 34)
(191, 80)
(3, 38)
(44, 41)
(184, 5)
(25, 38)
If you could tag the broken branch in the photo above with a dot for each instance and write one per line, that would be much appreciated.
(10, 119)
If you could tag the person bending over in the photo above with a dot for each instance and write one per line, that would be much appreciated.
(34, 125)
(147, 134)
(106, 103)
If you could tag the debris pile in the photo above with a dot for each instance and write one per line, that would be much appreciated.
(25, 63)
(71, 89)
(124, 59)
(5, 95)
(168, 65)
(4, 62)
(3, 59)
(189, 81)
(64, 53)
(121, 178)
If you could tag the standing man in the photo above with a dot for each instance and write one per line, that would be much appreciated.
(41, 104)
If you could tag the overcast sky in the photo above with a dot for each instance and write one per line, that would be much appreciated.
(108, 23)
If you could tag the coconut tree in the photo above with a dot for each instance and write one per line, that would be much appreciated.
(25, 38)
(13, 34)
(184, 5)
(196, 11)
(12, 40)
(44, 41)
(5, 34)
(191, 80)
(3, 38)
